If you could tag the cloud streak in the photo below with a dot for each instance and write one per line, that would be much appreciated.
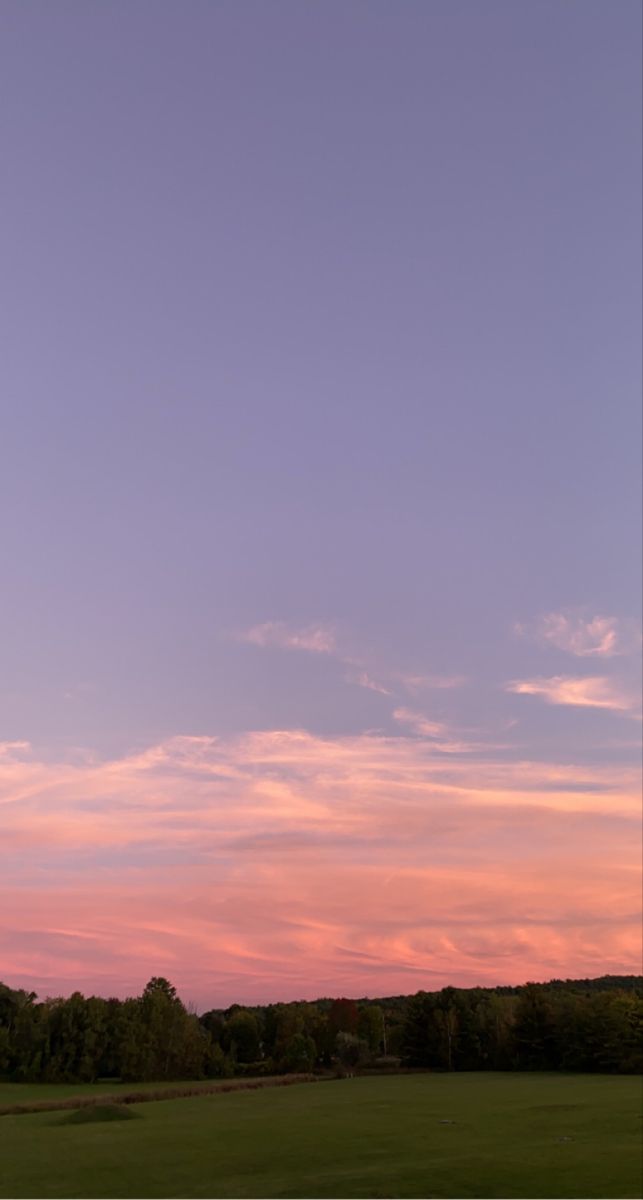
(316, 639)
(584, 637)
(419, 723)
(364, 680)
(422, 683)
(440, 735)
(592, 691)
(245, 867)
(321, 639)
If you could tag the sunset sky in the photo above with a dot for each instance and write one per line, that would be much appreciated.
(319, 495)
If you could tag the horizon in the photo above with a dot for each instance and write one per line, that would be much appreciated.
(321, 482)
(328, 998)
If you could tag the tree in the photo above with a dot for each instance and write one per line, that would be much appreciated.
(370, 1027)
(242, 1034)
(351, 1050)
(299, 1054)
(160, 987)
(343, 1016)
(594, 1025)
(447, 1019)
(535, 1029)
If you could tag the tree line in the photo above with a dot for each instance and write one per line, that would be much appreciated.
(572, 1025)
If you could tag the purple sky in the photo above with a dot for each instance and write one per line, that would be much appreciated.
(321, 380)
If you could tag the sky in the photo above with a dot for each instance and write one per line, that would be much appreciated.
(319, 495)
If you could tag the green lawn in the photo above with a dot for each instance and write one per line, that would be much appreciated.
(377, 1137)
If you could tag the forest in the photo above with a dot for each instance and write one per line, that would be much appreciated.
(591, 1025)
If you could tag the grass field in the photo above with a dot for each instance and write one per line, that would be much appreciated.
(483, 1135)
(43, 1095)
(24, 1093)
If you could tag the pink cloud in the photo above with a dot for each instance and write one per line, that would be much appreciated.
(422, 683)
(278, 864)
(419, 723)
(364, 680)
(594, 691)
(440, 735)
(317, 639)
(585, 637)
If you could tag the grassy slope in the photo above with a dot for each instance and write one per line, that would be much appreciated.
(376, 1137)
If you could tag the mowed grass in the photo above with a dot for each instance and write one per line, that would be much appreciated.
(508, 1135)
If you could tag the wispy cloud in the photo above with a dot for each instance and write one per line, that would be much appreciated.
(442, 737)
(364, 680)
(584, 637)
(419, 723)
(594, 691)
(423, 683)
(316, 639)
(319, 638)
(11, 749)
(267, 853)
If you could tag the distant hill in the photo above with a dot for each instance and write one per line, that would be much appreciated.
(603, 983)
